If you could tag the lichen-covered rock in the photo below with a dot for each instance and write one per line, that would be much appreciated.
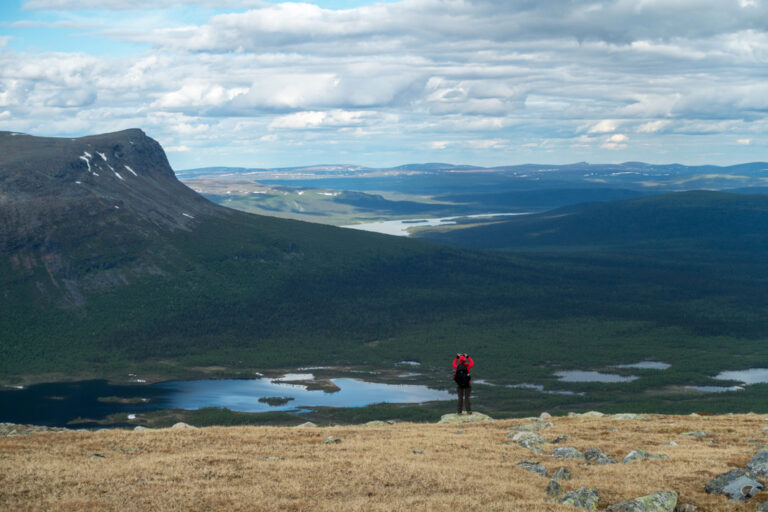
(630, 416)
(560, 439)
(464, 418)
(759, 463)
(331, 440)
(181, 424)
(567, 452)
(533, 467)
(663, 501)
(583, 497)
(554, 489)
(561, 474)
(763, 507)
(307, 424)
(592, 414)
(595, 456)
(685, 507)
(530, 440)
(738, 484)
(636, 455)
(697, 433)
(545, 416)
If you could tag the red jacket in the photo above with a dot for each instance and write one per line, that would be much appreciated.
(468, 361)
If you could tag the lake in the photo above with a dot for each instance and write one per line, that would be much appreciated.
(401, 227)
(58, 404)
(590, 376)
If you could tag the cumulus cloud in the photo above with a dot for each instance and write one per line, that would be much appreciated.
(410, 75)
(744, 142)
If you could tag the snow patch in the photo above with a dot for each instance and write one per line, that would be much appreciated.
(102, 155)
(130, 170)
(187, 215)
(87, 154)
(118, 175)
(88, 162)
(79, 182)
(131, 416)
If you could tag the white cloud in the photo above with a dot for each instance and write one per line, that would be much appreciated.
(618, 137)
(744, 142)
(66, 5)
(4, 40)
(198, 95)
(177, 149)
(326, 119)
(604, 126)
(652, 126)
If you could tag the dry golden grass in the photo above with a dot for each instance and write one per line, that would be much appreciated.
(371, 469)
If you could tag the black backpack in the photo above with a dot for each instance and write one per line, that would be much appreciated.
(462, 376)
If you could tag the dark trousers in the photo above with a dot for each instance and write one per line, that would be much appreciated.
(464, 398)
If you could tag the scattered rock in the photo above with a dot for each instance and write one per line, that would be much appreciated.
(591, 414)
(561, 474)
(560, 439)
(685, 507)
(759, 463)
(595, 456)
(376, 423)
(671, 443)
(663, 501)
(554, 489)
(697, 433)
(139, 428)
(181, 424)
(583, 497)
(13, 429)
(331, 440)
(694, 415)
(738, 484)
(418, 452)
(545, 416)
(636, 455)
(464, 418)
(307, 424)
(97, 456)
(270, 459)
(567, 452)
(530, 440)
(533, 467)
(630, 416)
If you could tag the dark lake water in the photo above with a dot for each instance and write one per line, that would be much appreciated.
(58, 404)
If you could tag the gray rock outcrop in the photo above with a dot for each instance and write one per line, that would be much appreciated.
(583, 497)
(596, 456)
(567, 452)
(662, 501)
(533, 467)
(738, 484)
(759, 463)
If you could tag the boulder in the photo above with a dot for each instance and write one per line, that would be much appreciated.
(181, 424)
(554, 489)
(697, 433)
(530, 440)
(685, 507)
(545, 416)
(583, 497)
(561, 474)
(630, 416)
(464, 418)
(663, 501)
(376, 423)
(636, 455)
(139, 428)
(567, 452)
(533, 467)
(331, 440)
(595, 456)
(763, 507)
(738, 484)
(591, 414)
(560, 439)
(759, 463)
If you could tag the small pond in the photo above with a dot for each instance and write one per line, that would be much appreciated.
(57, 404)
(645, 365)
(591, 376)
(750, 376)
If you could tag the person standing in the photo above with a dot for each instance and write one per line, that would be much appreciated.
(462, 364)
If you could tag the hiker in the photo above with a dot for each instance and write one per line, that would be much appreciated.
(462, 364)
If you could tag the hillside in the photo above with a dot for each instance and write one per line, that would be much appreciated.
(401, 466)
(684, 220)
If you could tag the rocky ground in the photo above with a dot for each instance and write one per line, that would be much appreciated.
(622, 463)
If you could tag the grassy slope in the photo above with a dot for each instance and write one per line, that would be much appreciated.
(467, 467)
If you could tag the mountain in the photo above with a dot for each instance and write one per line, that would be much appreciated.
(685, 220)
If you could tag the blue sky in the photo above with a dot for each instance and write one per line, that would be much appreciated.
(488, 82)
